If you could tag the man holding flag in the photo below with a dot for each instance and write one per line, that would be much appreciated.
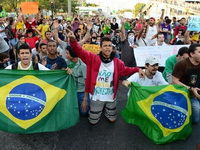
(186, 73)
(25, 55)
(152, 75)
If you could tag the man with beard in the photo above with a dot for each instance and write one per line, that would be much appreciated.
(187, 73)
(152, 76)
(151, 31)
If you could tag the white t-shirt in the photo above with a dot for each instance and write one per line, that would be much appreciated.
(40, 66)
(104, 90)
(152, 30)
(155, 81)
(163, 44)
(141, 42)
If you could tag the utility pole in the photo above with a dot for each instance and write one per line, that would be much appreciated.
(69, 7)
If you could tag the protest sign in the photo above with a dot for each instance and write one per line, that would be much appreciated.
(29, 8)
(160, 52)
(92, 48)
(194, 23)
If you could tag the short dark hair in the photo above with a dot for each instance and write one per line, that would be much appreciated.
(107, 39)
(47, 32)
(42, 44)
(71, 52)
(182, 51)
(3, 56)
(192, 48)
(168, 21)
(182, 32)
(130, 32)
(160, 33)
(29, 31)
(20, 36)
(24, 46)
(49, 41)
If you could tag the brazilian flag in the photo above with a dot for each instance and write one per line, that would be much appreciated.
(163, 113)
(3, 13)
(37, 101)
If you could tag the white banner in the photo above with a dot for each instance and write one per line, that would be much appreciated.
(160, 52)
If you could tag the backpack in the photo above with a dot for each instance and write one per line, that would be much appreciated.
(35, 66)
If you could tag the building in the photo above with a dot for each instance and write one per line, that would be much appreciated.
(172, 8)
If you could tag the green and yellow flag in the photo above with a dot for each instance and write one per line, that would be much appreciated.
(37, 101)
(163, 113)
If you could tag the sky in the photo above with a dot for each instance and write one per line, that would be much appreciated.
(117, 4)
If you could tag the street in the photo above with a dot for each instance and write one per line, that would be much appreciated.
(103, 136)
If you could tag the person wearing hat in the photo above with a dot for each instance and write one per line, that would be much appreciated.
(152, 29)
(4, 48)
(152, 76)
(78, 69)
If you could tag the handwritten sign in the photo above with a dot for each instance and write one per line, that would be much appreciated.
(29, 8)
(92, 48)
(160, 52)
(194, 23)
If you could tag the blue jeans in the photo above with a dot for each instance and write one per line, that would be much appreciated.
(195, 110)
(80, 96)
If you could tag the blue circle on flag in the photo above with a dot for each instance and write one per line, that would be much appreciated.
(170, 109)
(26, 101)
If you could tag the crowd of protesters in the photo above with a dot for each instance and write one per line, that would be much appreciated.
(55, 44)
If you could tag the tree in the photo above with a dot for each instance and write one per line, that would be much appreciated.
(10, 5)
(138, 7)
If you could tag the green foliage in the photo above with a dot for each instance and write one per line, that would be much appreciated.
(12, 5)
(138, 7)
(123, 11)
(91, 5)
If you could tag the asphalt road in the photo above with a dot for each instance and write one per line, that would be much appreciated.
(103, 136)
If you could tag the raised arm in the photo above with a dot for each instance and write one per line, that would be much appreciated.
(87, 35)
(78, 50)
(123, 38)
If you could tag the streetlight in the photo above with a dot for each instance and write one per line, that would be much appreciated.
(52, 6)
